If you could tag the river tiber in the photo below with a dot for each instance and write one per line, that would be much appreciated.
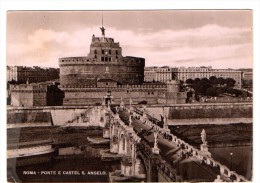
(107, 117)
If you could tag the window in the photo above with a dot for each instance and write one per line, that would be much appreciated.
(116, 51)
(102, 59)
(103, 51)
(95, 51)
(109, 51)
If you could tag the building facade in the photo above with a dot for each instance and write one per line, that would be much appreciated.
(150, 74)
(194, 72)
(247, 74)
(34, 74)
(164, 74)
(158, 74)
(229, 73)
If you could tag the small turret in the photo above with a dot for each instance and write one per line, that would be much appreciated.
(173, 86)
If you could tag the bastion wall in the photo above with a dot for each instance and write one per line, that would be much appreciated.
(209, 111)
(91, 96)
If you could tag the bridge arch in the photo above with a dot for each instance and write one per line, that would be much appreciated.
(141, 167)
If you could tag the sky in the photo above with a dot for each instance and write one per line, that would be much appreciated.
(189, 38)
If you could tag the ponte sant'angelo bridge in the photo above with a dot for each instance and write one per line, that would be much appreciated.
(147, 150)
(151, 153)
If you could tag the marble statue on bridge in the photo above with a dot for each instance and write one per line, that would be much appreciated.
(203, 137)
(156, 149)
(204, 146)
(122, 104)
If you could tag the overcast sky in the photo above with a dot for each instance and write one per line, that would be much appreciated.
(221, 39)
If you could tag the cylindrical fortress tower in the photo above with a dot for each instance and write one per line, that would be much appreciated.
(104, 60)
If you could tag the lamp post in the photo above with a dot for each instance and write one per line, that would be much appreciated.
(231, 163)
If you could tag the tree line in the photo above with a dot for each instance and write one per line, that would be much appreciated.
(214, 87)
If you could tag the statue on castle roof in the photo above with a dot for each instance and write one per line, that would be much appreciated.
(103, 30)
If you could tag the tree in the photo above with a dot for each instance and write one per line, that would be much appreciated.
(13, 82)
(230, 90)
(230, 82)
(189, 81)
(238, 92)
(189, 95)
(212, 78)
(219, 90)
(205, 80)
(202, 87)
(196, 80)
(181, 85)
(220, 81)
(211, 92)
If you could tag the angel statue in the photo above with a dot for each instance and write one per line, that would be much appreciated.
(203, 137)
(155, 140)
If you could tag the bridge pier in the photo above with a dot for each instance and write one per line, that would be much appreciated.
(114, 144)
(126, 166)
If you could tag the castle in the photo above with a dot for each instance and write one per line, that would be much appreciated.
(103, 74)
(104, 61)
(86, 80)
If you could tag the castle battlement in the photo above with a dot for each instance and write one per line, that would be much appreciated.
(125, 87)
(135, 61)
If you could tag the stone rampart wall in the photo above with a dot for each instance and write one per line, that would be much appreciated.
(29, 117)
(89, 95)
(93, 96)
(212, 112)
(28, 98)
(57, 116)
(194, 111)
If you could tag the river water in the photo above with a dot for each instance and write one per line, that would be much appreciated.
(241, 159)
(73, 164)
